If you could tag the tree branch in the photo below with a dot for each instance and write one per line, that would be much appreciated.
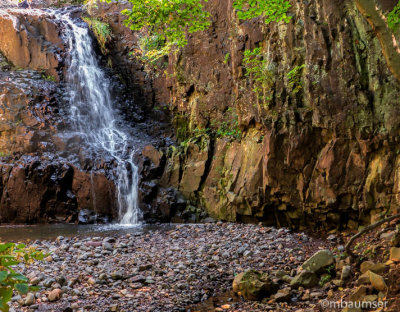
(366, 230)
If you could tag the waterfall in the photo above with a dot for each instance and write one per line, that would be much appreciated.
(93, 117)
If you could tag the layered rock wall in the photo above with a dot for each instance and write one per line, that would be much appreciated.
(41, 176)
(31, 40)
(317, 144)
(36, 191)
(320, 147)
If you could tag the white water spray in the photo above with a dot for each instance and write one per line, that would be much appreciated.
(93, 116)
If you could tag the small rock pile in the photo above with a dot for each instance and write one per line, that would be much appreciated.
(377, 280)
(329, 277)
(254, 285)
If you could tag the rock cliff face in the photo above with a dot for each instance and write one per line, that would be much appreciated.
(35, 190)
(39, 180)
(321, 147)
(31, 40)
(318, 144)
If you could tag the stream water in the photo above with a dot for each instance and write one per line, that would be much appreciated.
(23, 233)
(93, 115)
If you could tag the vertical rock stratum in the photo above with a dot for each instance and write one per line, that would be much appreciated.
(323, 149)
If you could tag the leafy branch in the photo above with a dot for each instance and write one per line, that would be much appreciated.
(167, 20)
(271, 10)
(294, 78)
(11, 255)
(257, 70)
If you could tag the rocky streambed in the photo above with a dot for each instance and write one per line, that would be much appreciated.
(186, 268)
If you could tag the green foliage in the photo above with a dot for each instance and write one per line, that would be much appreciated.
(11, 255)
(48, 77)
(101, 30)
(224, 182)
(227, 58)
(197, 136)
(324, 279)
(271, 10)
(181, 124)
(167, 20)
(152, 48)
(229, 127)
(393, 18)
(5, 154)
(261, 77)
(331, 270)
(294, 78)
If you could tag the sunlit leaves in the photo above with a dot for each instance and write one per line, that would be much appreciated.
(294, 78)
(393, 18)
(11, 255)
(3, 275)
(260, 75)
(5, 296)
(168, 20)
(101, 30)
(271, 10)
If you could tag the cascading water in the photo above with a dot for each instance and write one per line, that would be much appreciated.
(93, 117)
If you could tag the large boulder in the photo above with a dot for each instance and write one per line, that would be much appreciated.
(35, 190)
(306, 279)
(94, 192)
(377, 281)
(254, 285)
(319, 261)
(378, 268)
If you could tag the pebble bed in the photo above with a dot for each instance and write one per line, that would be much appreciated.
(162, 270)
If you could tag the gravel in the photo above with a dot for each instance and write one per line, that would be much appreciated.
(183, 269)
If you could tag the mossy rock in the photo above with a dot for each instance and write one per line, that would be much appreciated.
(254, 285)
(306, 279)
(319, 261)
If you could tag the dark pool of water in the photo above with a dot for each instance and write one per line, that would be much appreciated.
(15, 233)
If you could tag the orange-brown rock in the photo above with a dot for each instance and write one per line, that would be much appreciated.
(31, 40)
(28, 116)
(325, 154)
(36, 191)
(94, 192)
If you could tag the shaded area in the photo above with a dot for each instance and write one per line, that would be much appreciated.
(17, 233)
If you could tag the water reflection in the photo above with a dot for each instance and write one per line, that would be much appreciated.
(15, 233)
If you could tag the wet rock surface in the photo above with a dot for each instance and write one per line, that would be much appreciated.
(165, 270)
(29, 112)
(323, 155)
(48, 173)
(38, 190)
(41, 178)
